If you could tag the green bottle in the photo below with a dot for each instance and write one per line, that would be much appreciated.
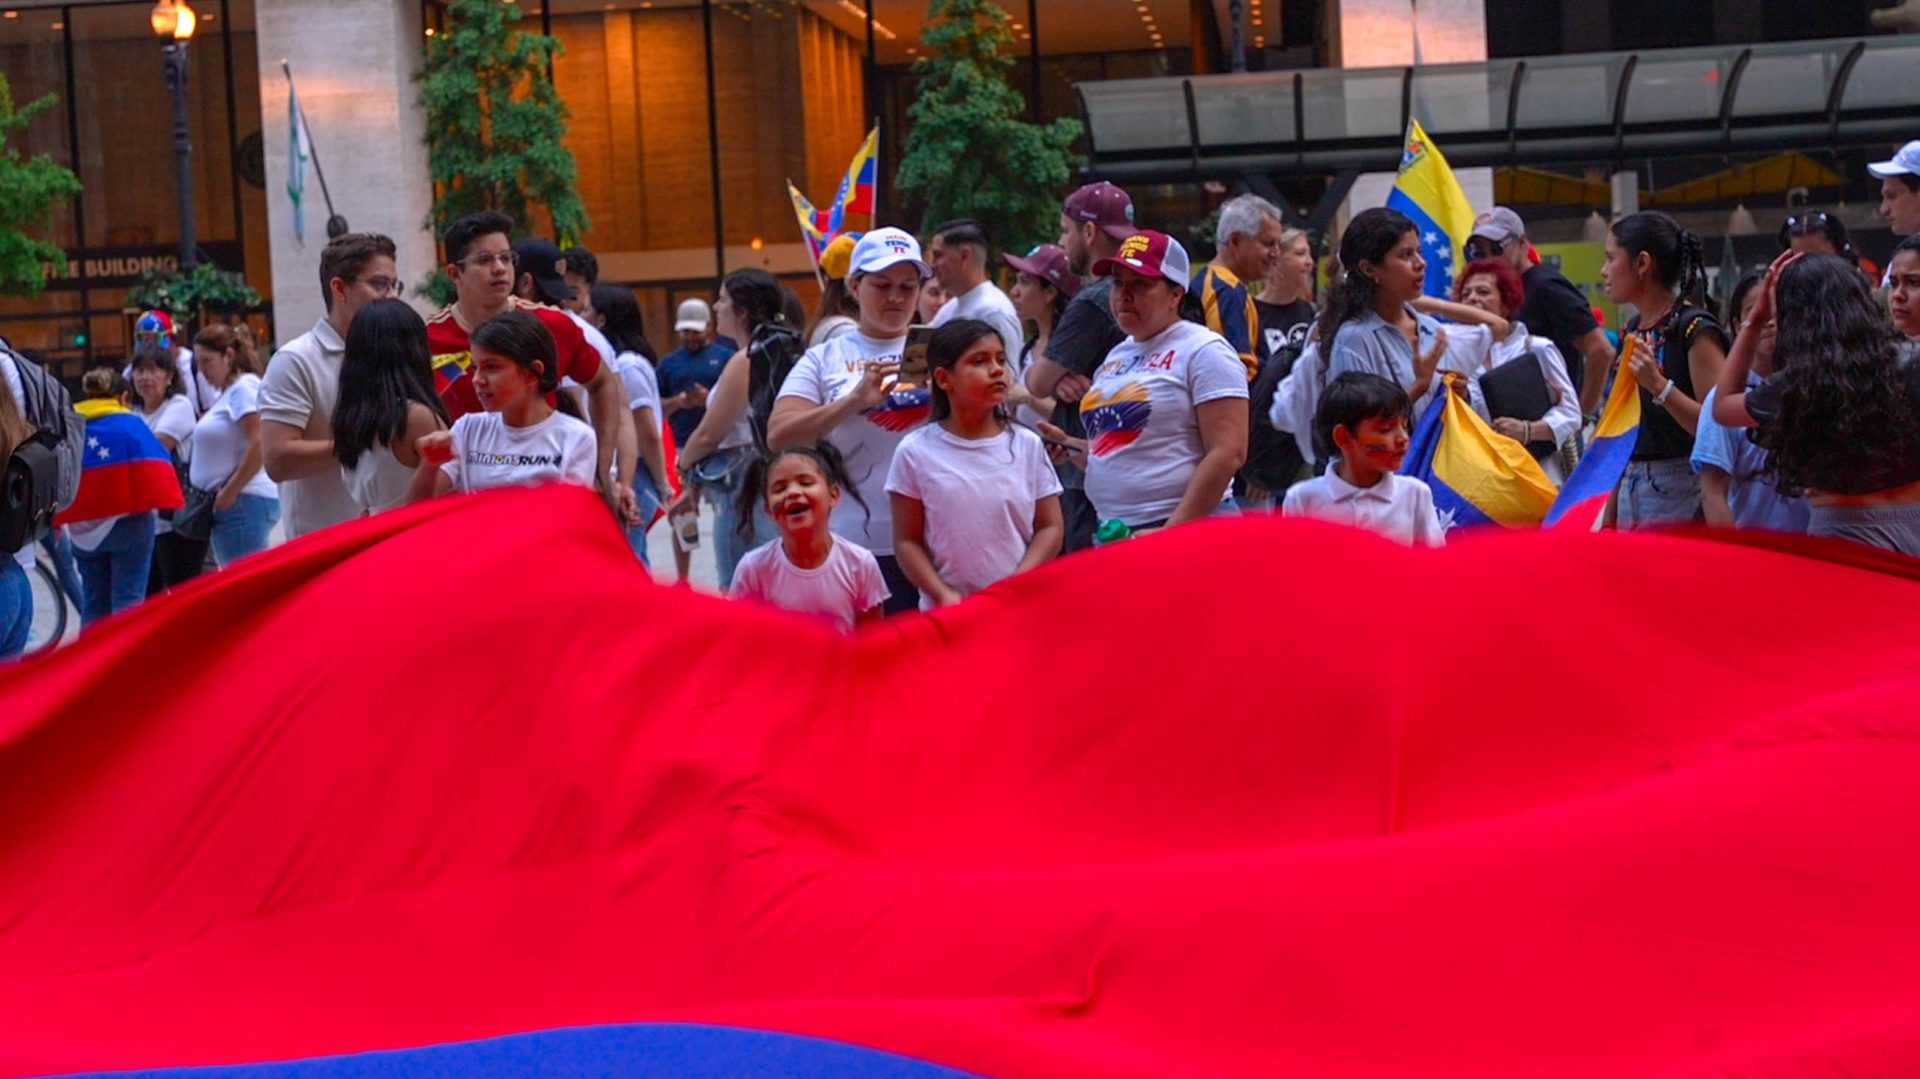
(1112, 530)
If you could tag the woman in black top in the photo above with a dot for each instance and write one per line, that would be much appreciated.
(1678, 351)
(1841, 417)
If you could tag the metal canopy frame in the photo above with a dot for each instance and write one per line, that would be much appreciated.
(1656, 103)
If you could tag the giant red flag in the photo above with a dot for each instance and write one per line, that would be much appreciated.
(1242, 798)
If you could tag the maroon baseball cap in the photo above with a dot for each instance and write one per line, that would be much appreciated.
(1049, 263)
(1104, 205)
(1155, 254)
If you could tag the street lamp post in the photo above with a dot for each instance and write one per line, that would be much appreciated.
(173, 21)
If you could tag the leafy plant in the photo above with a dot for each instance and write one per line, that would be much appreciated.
(30, 187)
(495, 122)
(189, 296)
(968, 152)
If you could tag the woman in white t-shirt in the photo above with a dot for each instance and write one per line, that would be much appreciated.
(842, 391)
(520, 440)
(1166, 416)
(808, 569)
(614, 310)
(160, 397)
(974, 497)
(387, 404)
(227, 451)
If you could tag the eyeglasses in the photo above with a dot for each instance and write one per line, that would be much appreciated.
(382, 286)
(1478, 248)
(487, 259)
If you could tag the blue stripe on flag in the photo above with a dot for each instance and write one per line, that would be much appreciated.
(1436, 247)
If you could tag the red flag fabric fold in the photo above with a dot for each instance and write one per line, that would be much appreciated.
(1245, 797)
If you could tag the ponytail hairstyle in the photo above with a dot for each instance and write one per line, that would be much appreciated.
(753, 484)
(944, 349)
(522, 338)
(1369, 238)
(100, 382)
(388, 367)
(1818, 223)
(1676, 255)
(1845, 424)
(235, 340)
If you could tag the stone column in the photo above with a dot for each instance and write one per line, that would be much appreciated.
(354, 61)
(1380, 33)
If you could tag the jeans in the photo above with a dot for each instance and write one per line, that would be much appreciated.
(59, 548)
(1657, 493)
(176, 560)
(16, 609)
(113, 576)
(647, 498)
(242, 529)
(728, 470)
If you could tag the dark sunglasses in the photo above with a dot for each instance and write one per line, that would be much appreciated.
(1478, 248)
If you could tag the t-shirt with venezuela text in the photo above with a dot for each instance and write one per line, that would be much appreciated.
(448, 338)
(830, 371)
(1143, 430)
(488, 453)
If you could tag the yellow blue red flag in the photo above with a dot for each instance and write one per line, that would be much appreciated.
(1584, 495)
(856, 189)
(812, 223)
(1478, 477)
(1426, 191)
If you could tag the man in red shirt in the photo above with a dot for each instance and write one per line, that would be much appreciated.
(480, 262)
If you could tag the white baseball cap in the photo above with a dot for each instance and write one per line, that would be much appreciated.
(881, 249)
(1905, 162)
(694, 315)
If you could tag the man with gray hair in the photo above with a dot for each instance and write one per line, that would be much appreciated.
(1246, 249)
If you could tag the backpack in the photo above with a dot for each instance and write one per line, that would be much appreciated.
(771, 354)
(1273, 456)
(43, 475)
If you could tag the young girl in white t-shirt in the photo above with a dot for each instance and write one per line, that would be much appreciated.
(521, 439)
(974, 496)
(808, 569)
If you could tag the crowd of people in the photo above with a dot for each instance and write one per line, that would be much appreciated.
(921, 433)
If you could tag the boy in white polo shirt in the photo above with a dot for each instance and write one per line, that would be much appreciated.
(1365, 418)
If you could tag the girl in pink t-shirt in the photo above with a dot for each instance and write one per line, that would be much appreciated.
(808, 569)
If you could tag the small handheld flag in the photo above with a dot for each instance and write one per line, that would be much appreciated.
(1426, 191)
(1478, 477)
(1585, 493)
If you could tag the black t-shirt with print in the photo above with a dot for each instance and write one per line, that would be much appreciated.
(1283, 325)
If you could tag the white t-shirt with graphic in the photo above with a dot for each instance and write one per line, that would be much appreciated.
(978, 496)
(838, 590)
(488, 453)
(824, 374)
(1143, 433)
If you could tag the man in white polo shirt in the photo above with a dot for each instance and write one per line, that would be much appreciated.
(303, 382)
(959, 259)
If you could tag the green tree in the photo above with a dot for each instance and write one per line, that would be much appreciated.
(968, 152)
(495, 122)
(30, 187)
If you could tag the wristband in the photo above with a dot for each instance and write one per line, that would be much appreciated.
(1665, 392)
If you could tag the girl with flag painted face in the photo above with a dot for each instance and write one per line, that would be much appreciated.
(1166, 416)
(843, 392)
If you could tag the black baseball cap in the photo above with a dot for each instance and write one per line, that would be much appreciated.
(541, 258)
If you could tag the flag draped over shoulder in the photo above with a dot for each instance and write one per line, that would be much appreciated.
(1584, 496)
(125, 468)
(1478, 476)
(1426, 191)
(1434, 853)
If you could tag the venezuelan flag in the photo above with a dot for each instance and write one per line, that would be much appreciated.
(125, 468)
(1426, 191)
(856, 189)
(812, 227)
(1478, 477)
(1586, 491)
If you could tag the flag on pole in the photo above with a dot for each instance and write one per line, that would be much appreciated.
(856, 189)
(299, 153)
(811, 223)
(1585, 494)
(1426, 191)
